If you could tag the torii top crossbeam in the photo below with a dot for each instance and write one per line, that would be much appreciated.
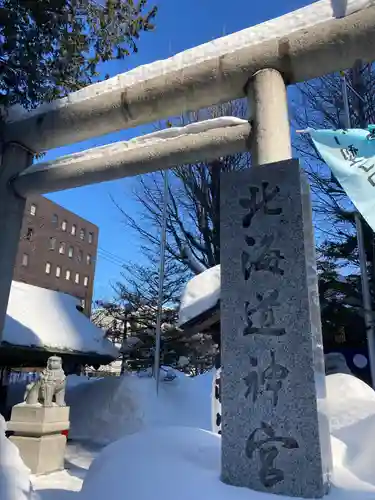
(304, 44)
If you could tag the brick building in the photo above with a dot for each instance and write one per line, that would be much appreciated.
(57, 250)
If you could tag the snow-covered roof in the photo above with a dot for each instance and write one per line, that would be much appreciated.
(42, 318)
(201, 294)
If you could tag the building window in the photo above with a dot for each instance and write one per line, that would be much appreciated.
(91, 237)
(48, 268)
(82, 234)
(29, 234)
(83, 303)
(80, 256)
(62, 248)
(86, 281)
(52, 243)
(88, 259)
(33, 210)
(77, 278)
(70, 252)
(25, 260)
(55, 219)
(64, 225)
(58, 272)
(74, 230)
(67, 275)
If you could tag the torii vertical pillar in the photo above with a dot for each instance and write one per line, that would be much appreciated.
(14, 159)
(275, 438)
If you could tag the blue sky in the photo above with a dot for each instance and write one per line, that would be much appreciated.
(180, 25)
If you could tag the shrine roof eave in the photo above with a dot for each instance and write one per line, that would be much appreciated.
(15, 356)
(204, 322)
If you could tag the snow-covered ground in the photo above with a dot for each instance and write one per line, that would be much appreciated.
(162, 446)
(173, 453)
(107, 409)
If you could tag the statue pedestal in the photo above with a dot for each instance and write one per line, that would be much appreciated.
(38, 436)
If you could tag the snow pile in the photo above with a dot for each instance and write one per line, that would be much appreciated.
(107, 409)
(352, 421)
(178, 463)
(186, 461)
(200, 295)
(281, 27)
(14, 475)
(38, 317)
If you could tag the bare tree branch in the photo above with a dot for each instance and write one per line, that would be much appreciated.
(193, 226)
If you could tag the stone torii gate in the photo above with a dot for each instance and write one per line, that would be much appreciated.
(275, 438)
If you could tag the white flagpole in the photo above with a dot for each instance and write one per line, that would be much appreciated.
(367, 308)
(163, 239)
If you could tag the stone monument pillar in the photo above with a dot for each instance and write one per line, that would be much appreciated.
(37, 424)
(275, 439)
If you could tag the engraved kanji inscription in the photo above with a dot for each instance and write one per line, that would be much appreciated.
(260, 319)
(259, 201)
(268, 380)
(265, 440)
(263, 258)
(252, 381)
(273, 377)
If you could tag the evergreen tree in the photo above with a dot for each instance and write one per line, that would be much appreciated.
(52, 47)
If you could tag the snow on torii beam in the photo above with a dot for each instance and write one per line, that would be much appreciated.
(161, 150)
(304, 44)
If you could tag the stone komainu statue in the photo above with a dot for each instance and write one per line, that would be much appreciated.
(49, 387)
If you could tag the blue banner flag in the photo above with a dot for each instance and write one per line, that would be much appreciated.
(350, 154)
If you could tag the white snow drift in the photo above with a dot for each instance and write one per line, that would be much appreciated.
(107, 409)
(185, 461)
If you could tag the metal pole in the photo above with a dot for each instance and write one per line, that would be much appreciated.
(366, 296)
(163, 239)
(346, 102)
